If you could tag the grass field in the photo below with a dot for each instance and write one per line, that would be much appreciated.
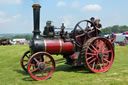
(11, 72)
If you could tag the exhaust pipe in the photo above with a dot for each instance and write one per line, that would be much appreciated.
(36, 17)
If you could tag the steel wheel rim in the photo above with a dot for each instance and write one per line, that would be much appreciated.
(24, 60)
(40, 72)
(99, 55)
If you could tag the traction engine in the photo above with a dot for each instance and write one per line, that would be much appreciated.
(80, 47)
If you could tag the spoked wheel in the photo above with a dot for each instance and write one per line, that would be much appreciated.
(41, 66)
(24, 60)
(99, 54)
(81, 31)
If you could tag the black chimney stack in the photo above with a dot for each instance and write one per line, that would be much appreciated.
(36, 16)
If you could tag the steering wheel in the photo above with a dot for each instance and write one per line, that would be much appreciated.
(81, 31)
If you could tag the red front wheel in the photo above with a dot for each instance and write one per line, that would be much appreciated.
(41, 66)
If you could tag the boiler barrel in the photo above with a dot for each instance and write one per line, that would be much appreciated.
(58, 47)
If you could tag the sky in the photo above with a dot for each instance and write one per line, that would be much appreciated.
(16, 16)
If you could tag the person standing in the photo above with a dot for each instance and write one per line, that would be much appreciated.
(98, 26)
(92, 20)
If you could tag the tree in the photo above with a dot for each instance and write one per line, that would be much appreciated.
(115, 29)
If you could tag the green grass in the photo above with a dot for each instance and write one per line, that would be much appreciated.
(12, 74)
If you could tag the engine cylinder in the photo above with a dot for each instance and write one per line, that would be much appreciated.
(58, 46)
(52, 46)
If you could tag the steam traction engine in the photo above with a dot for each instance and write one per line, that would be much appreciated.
(80, 47)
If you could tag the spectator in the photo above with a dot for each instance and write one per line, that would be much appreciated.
(98, 26)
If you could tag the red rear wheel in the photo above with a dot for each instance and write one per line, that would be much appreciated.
(24, 60)
(99, 55)
(41, 66)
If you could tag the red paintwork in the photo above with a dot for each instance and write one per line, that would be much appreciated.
(74, 56)
(54, 47)
(67, 47)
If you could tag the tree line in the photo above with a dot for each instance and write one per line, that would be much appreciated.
(15, 36)
(115, 29)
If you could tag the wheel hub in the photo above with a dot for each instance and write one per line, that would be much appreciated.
(100, 55)
(41, 66)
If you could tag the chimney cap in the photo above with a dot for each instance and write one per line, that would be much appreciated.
(36, 6)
